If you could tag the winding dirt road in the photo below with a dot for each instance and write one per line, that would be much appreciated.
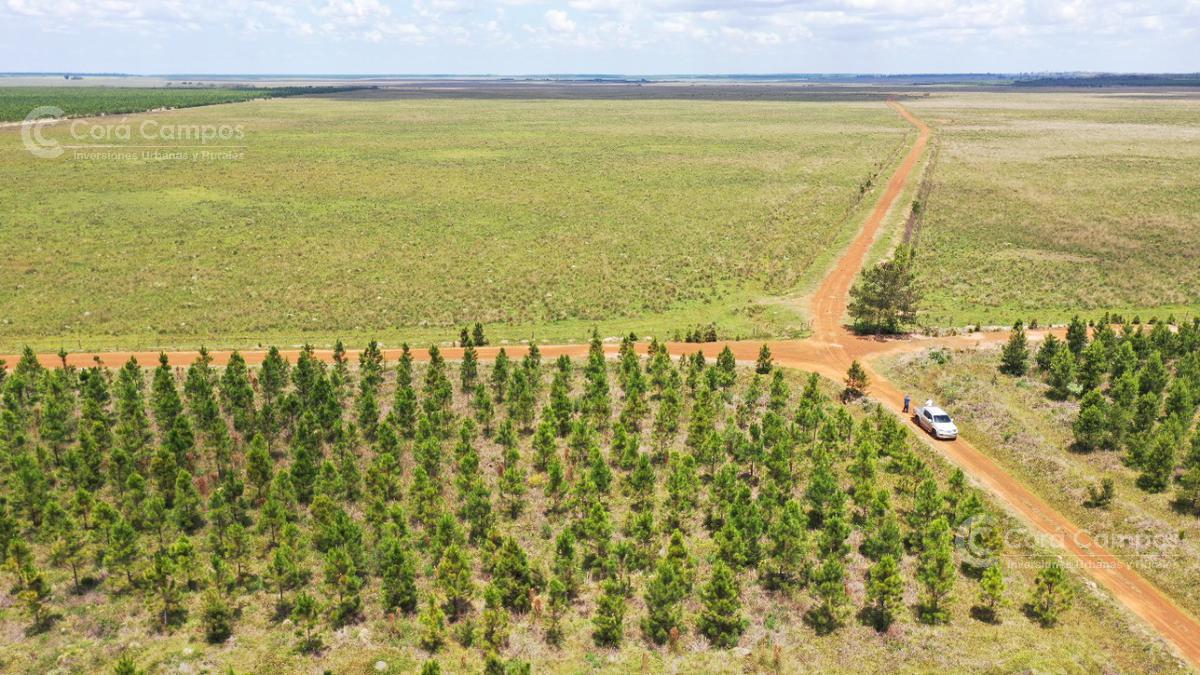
(829, 352)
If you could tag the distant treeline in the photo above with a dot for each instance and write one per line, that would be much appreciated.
(17, 102)
(1181, 80)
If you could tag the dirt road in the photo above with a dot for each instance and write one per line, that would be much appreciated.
(829, 352)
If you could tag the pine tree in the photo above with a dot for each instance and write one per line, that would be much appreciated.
(468, 371)
(485, 413)
(164, 397)
(404, 409)
(1188, 493)
(368, 412)
(1093, 365)
(477, 337)
(596, 404)
(566, 563)
(721, 621)
(1050, 348)
(787, 561)
(935, 571)
(1077, 337)
(58, 425)
(306, 458)
(342, 577)
(501, 373)
(886, 296)
(608, 624)
(259, 467)
(398, 571)
(765, 363)
(187, 560)
(726, 368)
(1052, 595)
(237, 394)
(34, 593)
(454, 580)
(1062, 374)
(885, 592)
(663, 612)
(512, 577)
(133, 426)
(494, 628)
(284, 572)
(217, 617)
(198, 389)
(1014, 358)
(830, 586)
(1091, 424)
(512, 485)
(856, 381)
(69, 549)
(558, 601)
(1153, 377)
(305, 614)
(122, 551)
(1158, 466)
(186, 508)
(991, 593)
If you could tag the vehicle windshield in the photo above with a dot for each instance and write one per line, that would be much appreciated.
(944, 419)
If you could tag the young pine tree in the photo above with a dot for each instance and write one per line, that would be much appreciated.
(991, 594)
(433, 626)
(856, 381)
(1014, 358)
(558, 602)
(885, 592)
(830, 586)
(1051, 596)
(399, 573)
(454, 580)
(306, 612)
(935, 571)
(512, 577)
(608, 624)
(765, 363)
(663, 612)
(721, 621)
(216, 616)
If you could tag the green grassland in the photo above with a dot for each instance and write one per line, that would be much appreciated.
(1048, 205)
(1028, 434)
(360, 215)
(92, 628)
(17, 102)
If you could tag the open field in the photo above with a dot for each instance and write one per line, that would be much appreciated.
(1047, 205)
(356, 216)
(90, 629)
(1013, 421)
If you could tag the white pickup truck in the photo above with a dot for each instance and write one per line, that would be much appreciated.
(936, 421)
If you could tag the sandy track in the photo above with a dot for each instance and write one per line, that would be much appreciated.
(829, 352)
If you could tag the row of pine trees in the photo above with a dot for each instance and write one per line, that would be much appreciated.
(1138, 394)
(635, 499)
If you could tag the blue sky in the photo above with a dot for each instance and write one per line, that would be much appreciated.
(598, 36)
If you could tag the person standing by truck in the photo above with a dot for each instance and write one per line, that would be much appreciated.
(907, 402)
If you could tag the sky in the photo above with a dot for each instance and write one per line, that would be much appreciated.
(512, 37)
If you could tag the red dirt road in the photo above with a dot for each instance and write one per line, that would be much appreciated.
(829, 352)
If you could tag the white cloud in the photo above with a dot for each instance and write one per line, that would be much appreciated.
(770, 30)
(558, 21)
